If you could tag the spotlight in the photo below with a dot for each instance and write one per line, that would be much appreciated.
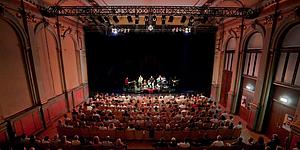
(187, 30)
(150, 28)
(163, 19)
(136, 19)
(115, 18)
(154, 18)
(129, 18)
(183, 19)
(114, 30)
(191, 21)
(171, 18)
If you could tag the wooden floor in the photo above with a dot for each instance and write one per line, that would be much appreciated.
(246, 134)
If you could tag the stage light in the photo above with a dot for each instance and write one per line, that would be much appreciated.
(187, 30)
(114, 30)
(284, 99)
(191, 21)
(183, 19)
(163, 19)
(115, 18)
(146, 18)
(154, 18)
(150, 28)
(171, 18)
(137, 19)
(129, 18)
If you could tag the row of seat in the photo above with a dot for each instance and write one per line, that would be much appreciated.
(144, 135)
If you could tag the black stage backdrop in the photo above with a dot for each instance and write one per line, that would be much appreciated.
(189, 57)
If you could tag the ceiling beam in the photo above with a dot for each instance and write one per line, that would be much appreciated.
(149, 10)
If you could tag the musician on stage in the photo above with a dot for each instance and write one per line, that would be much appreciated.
(151, 82)
(126, 84)
(140, 81)
(158, 80)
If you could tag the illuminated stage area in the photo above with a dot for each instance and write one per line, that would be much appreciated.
(159, 84)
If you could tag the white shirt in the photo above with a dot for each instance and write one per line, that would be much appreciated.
(217, 143)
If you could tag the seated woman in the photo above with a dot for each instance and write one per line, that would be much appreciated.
(120, 145)
(173, 142)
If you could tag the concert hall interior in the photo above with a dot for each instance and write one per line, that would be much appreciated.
(150, 74)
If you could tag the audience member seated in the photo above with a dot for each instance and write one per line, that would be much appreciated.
(238, 126)
(96, 141)
(279, 148)
(297, 146)
(161, 143)
(173, 142)
(107, 142)
(239, 142)
(46, 140)
(260, 143)
(218, 142)
(185, 144)
(64, 140)
(274, 142)
(75, 140)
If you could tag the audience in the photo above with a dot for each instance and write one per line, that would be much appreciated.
(149, 113)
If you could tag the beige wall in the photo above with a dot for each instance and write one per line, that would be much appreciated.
(28, 81)
(14, 90)
(70, 63)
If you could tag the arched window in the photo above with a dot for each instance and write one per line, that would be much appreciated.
(229, 54)
(253, 55)
(288, 70)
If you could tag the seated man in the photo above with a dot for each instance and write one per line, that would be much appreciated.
(184, 144)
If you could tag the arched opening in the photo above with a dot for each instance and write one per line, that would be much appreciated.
(286, 84)
(47, 65)
(70, 63)
(227, 72)
(14, 91)
(251, 62)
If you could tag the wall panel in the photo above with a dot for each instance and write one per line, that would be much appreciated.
(54, 65)
(42, 64)
(14, 90)
(78, 95)
(69, 60)
(54, 109)
(28, 122)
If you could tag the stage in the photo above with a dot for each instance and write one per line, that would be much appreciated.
(150, 90)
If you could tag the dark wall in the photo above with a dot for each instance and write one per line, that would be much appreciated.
(189, 57)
